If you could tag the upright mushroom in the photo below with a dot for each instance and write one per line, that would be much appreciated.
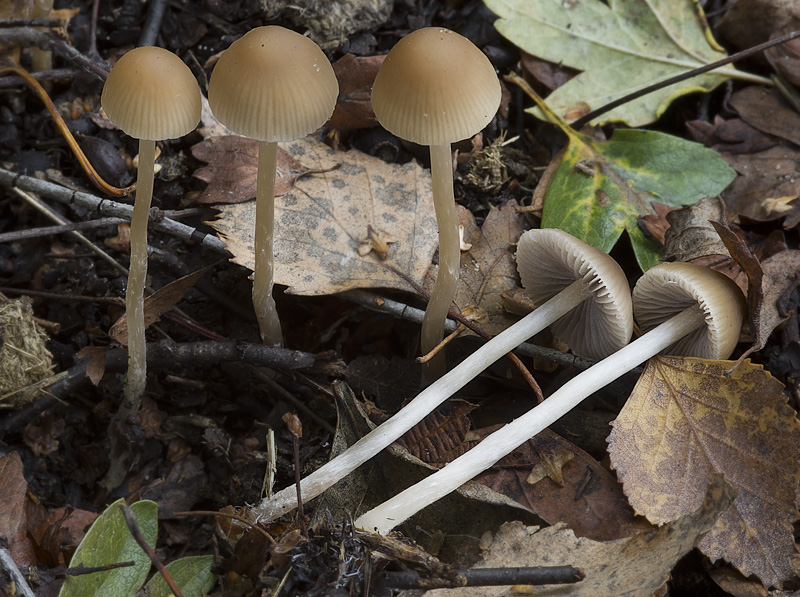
(697, 311)
(570, 279)
(151, 95)
(272, 85)
(434, 88)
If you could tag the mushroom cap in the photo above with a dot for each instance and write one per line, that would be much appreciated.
(435, 87)
(669, 288)
(151, 94)
(549, 260)
(273, 84)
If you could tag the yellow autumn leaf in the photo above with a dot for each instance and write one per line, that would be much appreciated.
(687, 420)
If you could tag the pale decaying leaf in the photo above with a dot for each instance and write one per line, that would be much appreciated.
(620, 48)
(322, 220)
(687, 421)
(634, 567)
(488, 267)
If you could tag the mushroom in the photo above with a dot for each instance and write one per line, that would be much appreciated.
(689, 309)
(434, 88)
(271, 85)
(151, 95)
(572, 279)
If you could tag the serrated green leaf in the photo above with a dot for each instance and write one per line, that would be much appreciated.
(603, 188)
(109, 541)
(192, 574)
(621, 47)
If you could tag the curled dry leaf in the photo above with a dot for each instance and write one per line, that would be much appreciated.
(158, 303)
(322, 220)
(353, 106)
(690, 234)
(686, 421)
(634, 567)
(488, 268)
(767, 110)
(233, 167)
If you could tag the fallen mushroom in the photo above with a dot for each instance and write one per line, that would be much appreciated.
(570, 279)
(271, 85)
(434, 88)
(151, 95)
(689, 310)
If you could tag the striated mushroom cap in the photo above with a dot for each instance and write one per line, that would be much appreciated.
(273, 84)
(669, 288)
(549, 260)
(435, 87)
(151, 94)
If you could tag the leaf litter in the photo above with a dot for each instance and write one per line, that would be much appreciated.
(688, 420)
(620, 48)
(321, 221)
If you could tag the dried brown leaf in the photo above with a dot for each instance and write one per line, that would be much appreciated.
(233, 167)
(561, 483)
(767, 186)
(96, 364)
(158, 303)
(634, 567)
(691, 235)
(686, 421)
(767, 110)
(321, 221)
(733, 136)
(354, 106)
(488, 268)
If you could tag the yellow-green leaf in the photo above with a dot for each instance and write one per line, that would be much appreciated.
(621, 47)
(109, 541)
(685, 421)
(192, 574)
(603, 187)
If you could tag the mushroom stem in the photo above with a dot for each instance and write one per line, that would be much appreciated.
(449, 261)
(379, 438)
(134, 295)
(394, 511)
(263, 303)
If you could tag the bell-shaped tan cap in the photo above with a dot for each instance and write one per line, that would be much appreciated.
(669, 288)
(273, 84)
(151, 94)
(549, 260)
(435, 87)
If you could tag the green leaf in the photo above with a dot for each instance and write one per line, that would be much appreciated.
(621, 48)
(109, 542)
(603, 188)
(193, 576)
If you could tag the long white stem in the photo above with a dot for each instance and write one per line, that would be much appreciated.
(386, 433)
(449, 261)
(134, 295)
(263, 303)
(394, 511)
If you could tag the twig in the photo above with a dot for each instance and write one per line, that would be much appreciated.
(133, 527)
(584, 120)
(56, 74)
(107, 207)
(296, 429)
(486, 577)
(235, 517)
(49, 40)
(408, 313)
(49, 22)
(10, 567)
(47, 211)
(152, 23)
(17, 235)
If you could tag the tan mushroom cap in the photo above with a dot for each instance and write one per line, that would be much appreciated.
(549, 260)
(669, 288)
(151, 94)
(273, 84)
(435, 87)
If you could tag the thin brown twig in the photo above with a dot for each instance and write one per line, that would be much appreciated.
(133, 527)
(235, 517)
